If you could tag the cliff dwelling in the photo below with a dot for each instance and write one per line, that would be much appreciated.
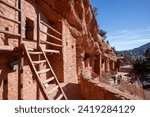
(53, 50)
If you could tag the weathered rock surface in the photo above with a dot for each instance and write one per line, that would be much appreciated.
(79, 16)
(80, 36)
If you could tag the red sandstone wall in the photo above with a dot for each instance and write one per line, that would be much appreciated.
(57, 65)
(7, 25)
(69, 55)
(8, 80)
(65, 71)
(91, 91)
(10, 90)
(80, 23)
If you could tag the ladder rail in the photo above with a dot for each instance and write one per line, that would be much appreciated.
(40, 83)
(57, 82)
(49, 35)
(39, 31)
(9, 19)
(50, 43)
(19, 21)
(41, 86)
(50, 27)
(10, 6)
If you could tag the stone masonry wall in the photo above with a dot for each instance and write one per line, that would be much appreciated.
(93, 90)
(69, 55)
(79, 29)
(7, 25)
(8, 78)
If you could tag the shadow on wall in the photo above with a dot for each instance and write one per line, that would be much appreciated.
(8, 36)
(4, 82)
(72, 91)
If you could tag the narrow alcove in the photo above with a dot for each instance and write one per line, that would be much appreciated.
(29, 29)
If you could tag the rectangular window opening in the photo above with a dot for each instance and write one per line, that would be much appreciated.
(29, 29)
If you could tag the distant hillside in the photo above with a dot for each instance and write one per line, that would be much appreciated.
(136, 52)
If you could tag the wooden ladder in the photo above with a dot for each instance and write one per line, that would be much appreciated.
(50, 88)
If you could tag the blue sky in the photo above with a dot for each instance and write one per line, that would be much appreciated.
(127, 22)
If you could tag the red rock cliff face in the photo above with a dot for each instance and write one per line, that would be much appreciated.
(80, 37)
(79, 16)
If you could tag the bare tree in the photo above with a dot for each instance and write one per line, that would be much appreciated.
(103, 33)
(95, 9)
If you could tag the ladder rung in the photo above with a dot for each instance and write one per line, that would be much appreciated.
(51, 91)
(30, 49)
(59, 97)
(48, 80)
(43, 71)
(46, 85)
(38, 62)
(52, 51)
(46, 51)
(35, 53)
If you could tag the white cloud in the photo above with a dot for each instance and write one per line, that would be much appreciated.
(128, 39)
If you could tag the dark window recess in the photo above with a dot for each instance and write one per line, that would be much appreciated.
(13, 65)
(66, 43)
(29, 32)
(86, 56)
(102, 61)
(5, 82)
(72, 46)
(7, 29)
(33, 77)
